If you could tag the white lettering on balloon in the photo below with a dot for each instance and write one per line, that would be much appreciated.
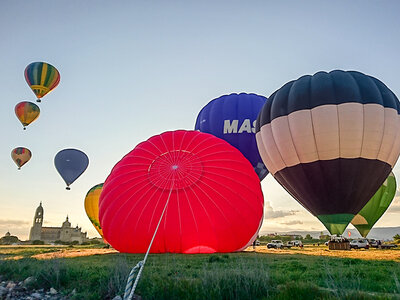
(232, 127)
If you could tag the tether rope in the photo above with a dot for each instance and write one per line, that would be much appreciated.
(129, 289)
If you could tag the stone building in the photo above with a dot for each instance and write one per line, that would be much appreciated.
(65, 233)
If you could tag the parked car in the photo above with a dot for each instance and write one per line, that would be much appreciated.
(373, 243)
(295, 243)
(359, 243)
(277, 244)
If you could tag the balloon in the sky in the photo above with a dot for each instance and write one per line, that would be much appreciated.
(42, 78)
(70, 164)
(92, 206)
(331, 140)
(27, 112)
(215, 199)
(232, 118)
(21, 156)
(375, 207)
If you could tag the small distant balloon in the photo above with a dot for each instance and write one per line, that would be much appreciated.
(21, 156)
(42, 78)
(70, 164)
(92, 207)
(27, 112)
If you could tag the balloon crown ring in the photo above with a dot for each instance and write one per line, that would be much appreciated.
(175, 169)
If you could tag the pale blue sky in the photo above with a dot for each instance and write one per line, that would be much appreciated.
(133, 69)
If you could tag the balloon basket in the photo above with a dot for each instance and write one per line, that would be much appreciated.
(67, 188)
(38, 100)
(339, 245)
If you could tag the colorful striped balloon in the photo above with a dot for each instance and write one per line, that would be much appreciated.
(42, 78)
(27, 112)
(92, 207)
(21, 156)
(331, 140)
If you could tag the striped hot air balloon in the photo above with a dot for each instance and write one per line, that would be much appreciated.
(331, 140)
(92, 206)
(42, 78)
(27, 112)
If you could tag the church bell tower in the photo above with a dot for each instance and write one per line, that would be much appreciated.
(36, 230)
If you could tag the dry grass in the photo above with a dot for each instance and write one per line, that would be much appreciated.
(74, 253)
(370, 254)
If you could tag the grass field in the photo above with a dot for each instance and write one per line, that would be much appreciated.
(311, 273)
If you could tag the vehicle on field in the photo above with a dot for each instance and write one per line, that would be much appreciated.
(277, 244)
(295, 243)
(373, 243)
(359, 243)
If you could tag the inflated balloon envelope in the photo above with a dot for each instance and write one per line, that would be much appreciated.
(330, 140)
(26, 112)
(232, 118)
(21, 156)
(376, 206)
(92, 207)
(208, 191)
(70, 164)
(42, 78)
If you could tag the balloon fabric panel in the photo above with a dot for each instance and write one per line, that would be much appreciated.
(216, 203)
(322, 136)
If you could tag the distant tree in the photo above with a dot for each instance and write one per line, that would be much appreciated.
(37, 242)
(308, 237)
(397, 237)
(9, 240)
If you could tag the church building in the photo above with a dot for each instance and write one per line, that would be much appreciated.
(65, 233)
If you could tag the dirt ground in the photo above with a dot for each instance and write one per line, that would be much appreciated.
(74, 253)
(370, 254)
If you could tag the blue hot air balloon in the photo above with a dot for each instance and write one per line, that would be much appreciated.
(233, 118)
(70, 164)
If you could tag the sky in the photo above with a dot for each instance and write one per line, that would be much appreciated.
(134, 69)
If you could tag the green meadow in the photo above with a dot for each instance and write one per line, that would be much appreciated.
(245, 275)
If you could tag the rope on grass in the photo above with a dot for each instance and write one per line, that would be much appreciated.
(131, 276)
(129, 283)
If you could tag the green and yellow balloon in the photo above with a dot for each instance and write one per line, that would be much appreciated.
(375, 207)
(42, 78)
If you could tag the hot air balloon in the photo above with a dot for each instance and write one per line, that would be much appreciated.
(42, 78)
(21, 156)
(210, 196)
(330, 140)
(70, 164)
(232, 118)
(27, 112)
(92, 206)
(375, 207)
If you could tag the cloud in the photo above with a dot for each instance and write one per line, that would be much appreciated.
(294, 222)
(13, 223)
(270, 213)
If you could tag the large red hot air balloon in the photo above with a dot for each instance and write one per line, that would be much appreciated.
(215, 199)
